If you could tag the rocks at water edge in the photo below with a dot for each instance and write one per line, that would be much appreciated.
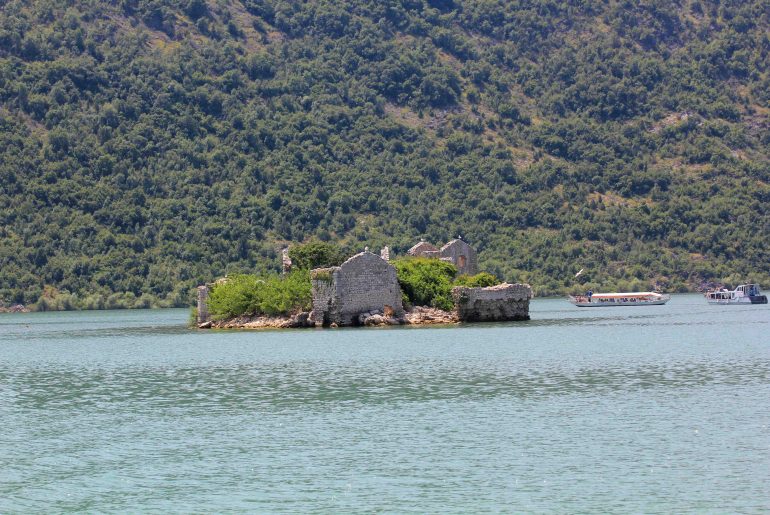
(260, 322)
(416, 316)
(423, 315)
(499, 303)
(18, 308)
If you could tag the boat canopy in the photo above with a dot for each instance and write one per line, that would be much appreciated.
(626, 295)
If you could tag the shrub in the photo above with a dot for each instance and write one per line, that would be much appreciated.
(316, 254)
(426, 282)
(322, 275)
(480, 280)
(254, 295)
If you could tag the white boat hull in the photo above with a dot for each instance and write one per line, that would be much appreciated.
(607, 300)
(724, 302)
(742, 295)
(617, 304)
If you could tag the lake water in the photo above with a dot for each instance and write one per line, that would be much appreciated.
(655, 409)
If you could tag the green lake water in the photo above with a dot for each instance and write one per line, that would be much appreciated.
(655, 409)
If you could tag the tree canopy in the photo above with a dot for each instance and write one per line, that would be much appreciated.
(147, 146)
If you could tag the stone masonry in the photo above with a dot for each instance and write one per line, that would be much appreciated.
(365, 283)
(423, 249)
(203, 306)
(364, 290)
(492, 304)
(285, 261)
(461, 255)
(457, 252)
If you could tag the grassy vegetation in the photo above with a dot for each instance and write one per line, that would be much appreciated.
(480, 280)
(426, 282)
(270, 295)
(429, 282)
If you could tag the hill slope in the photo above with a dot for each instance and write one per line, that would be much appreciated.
(152, 145)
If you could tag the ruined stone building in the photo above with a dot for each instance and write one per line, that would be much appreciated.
(492, 304)
(461, 255)
(457, 252)
(202, 315)
(365, 288)
(423, 249)
(364, 283)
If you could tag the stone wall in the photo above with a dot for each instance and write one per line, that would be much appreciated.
(457, 252)
(493, 304)
(362, 284)
(324, 292)
(461, 255)
(423, 249)
(203, 305)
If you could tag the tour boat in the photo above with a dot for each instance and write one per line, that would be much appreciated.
(641, 298)
(743, 294)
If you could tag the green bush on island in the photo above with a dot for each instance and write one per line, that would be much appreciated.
(429, 282)
(426, 282)
(271, 295)
(480, 280)
(323, 274)
(316, 254)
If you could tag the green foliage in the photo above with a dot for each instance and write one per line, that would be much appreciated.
(480, 280)
(322, 275)
(429, 282)
(52, 299)
(426, 282)
(316, 254)
(147, 146)
(260, 295)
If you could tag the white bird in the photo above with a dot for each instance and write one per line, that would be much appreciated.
(581, 271)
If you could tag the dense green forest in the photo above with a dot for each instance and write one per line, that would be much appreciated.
(147, 146)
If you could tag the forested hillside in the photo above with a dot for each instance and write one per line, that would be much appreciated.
(147, 146)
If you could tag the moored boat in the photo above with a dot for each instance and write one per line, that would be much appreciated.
(640, 298)
(743, 294)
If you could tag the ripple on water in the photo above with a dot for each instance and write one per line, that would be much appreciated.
(314, 385)
(640, 411)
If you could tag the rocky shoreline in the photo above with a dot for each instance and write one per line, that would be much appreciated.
(420, 315)
(18, 308)
(500, 303)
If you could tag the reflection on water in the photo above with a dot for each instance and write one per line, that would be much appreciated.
(655, 409)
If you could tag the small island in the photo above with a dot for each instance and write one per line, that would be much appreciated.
(319, 288)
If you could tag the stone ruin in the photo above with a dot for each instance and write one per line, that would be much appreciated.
(492, 304)
(203, 316)
(285, 261)
(423, 249)
(461, 255)
(363, 286)
(364, 290)
(456, 251)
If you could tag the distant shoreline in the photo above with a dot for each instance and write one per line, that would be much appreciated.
(31, 309)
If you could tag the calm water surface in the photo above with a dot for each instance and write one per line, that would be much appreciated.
(650, 409)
